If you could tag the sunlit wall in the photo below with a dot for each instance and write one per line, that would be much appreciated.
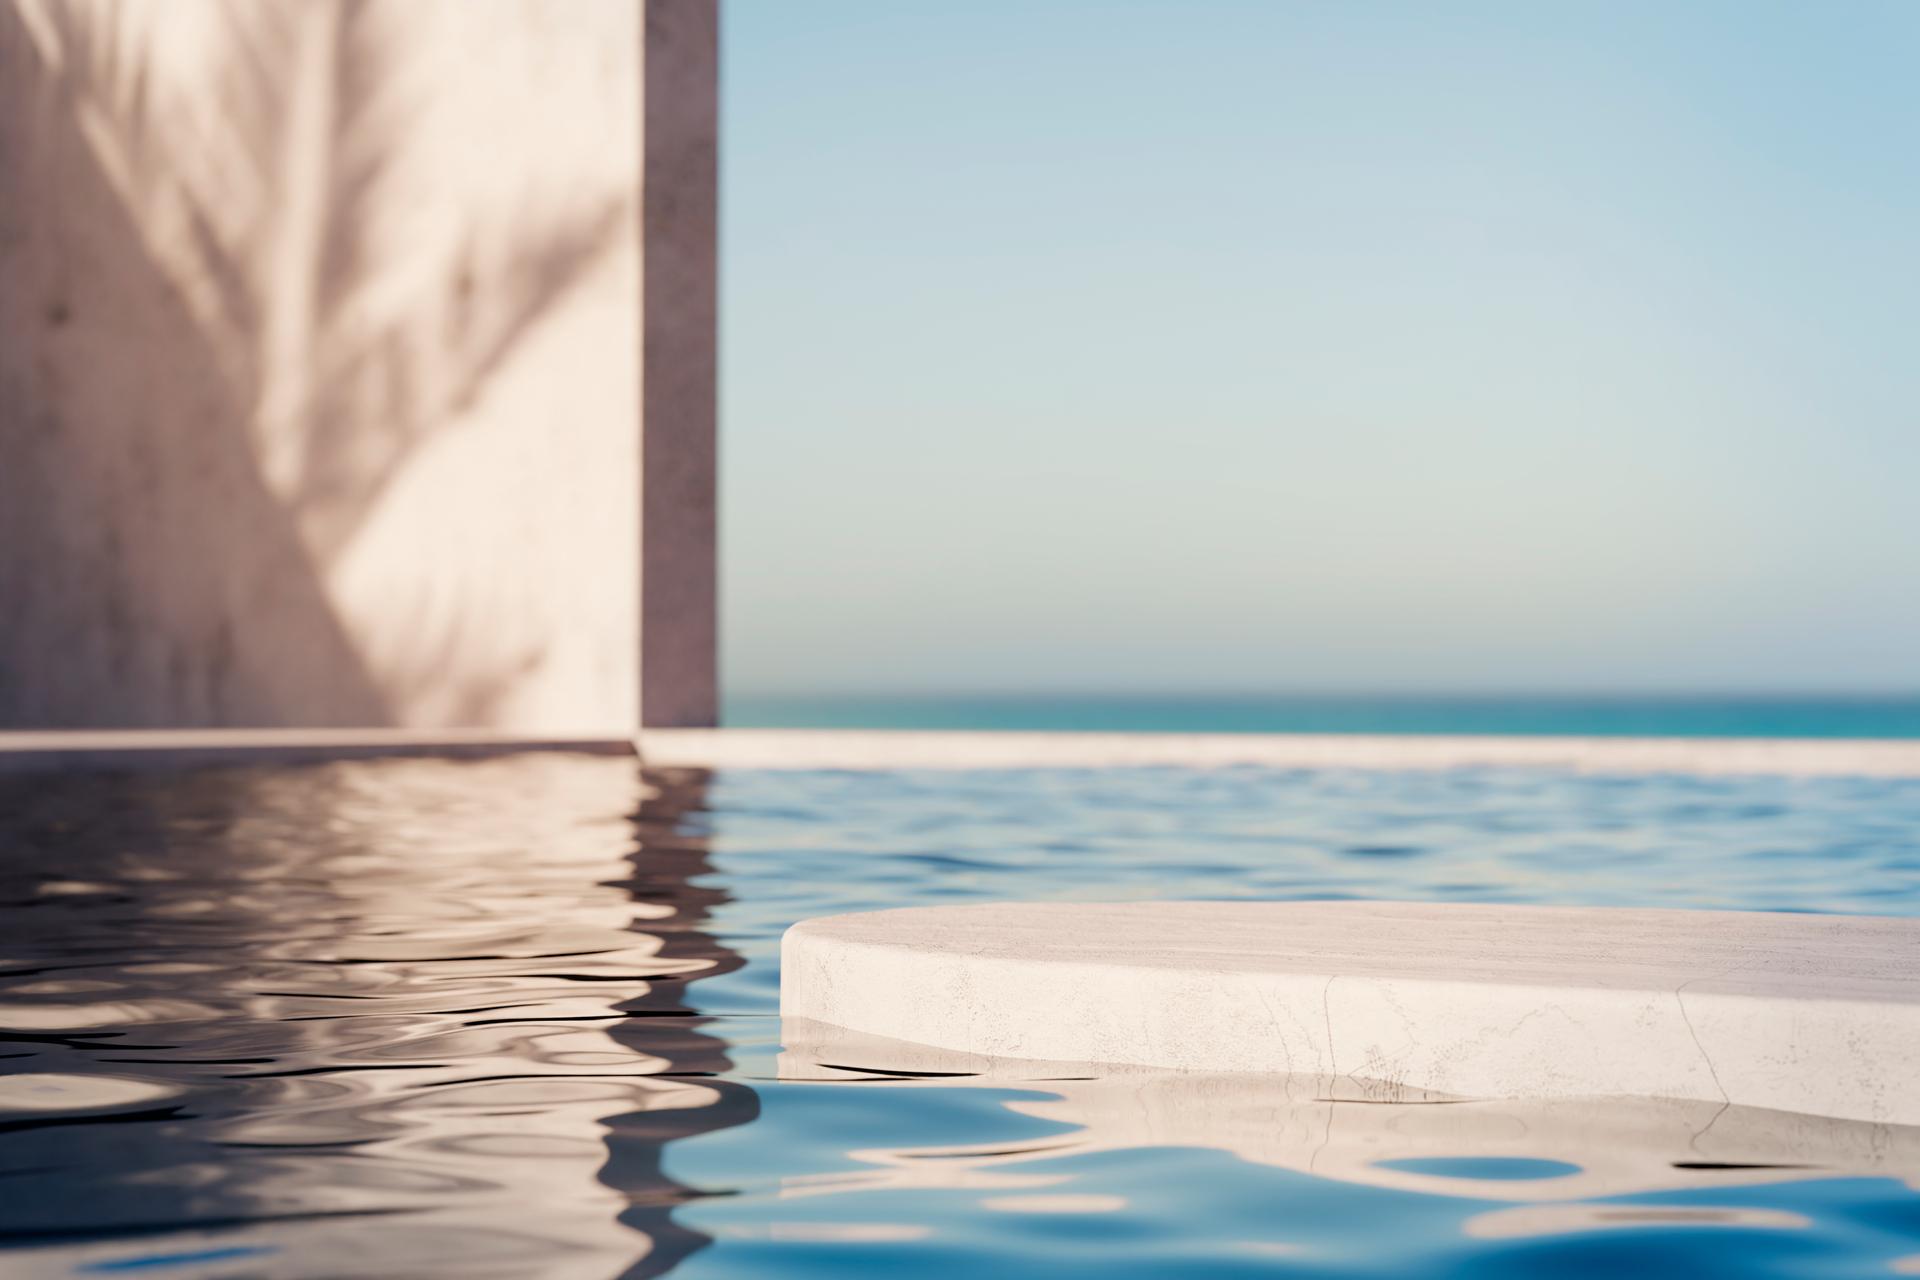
(320, 363)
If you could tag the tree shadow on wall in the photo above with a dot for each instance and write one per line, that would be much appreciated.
(214, 364)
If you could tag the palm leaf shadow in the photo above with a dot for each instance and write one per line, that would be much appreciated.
(376, 397)
(342, 406)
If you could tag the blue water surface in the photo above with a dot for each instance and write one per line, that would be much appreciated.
(518, 1017)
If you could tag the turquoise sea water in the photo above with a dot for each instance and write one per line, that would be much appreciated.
(519, 1018)
(1718, 716)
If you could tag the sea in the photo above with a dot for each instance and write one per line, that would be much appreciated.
(1585, 715)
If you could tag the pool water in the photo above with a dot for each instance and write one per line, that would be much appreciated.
(518, 1017)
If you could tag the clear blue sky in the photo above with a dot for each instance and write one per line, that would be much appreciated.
(1252, 345)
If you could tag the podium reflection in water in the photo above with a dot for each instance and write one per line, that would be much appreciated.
(409, 1016)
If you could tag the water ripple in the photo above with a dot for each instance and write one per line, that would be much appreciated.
(516, 1017)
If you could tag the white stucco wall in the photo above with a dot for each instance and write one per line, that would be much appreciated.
(321, 360)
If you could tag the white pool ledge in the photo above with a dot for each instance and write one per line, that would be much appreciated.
(1802, 1013)
(868, 749)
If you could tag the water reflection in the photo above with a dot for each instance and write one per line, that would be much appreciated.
(1138, 1172)
(397, 1017)
(1517, 1150)
(672, 855)
(517, 1018)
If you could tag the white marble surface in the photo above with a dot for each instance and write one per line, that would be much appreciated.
(1801, 1013)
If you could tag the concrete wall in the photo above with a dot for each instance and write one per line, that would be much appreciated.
(679, 603)
(324, 349)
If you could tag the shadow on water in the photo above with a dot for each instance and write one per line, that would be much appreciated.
(394, 1017)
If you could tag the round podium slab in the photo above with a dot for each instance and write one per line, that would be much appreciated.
(1806, 1013)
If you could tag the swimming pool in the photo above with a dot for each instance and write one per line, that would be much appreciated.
(518, 1017)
